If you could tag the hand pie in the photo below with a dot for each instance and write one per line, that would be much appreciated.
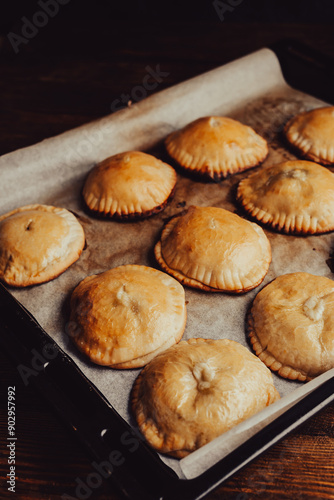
(292, 197)
(37, 244)
(196, 390)
(214, 250)
(291, 325)
(129, 185)
(312, 134)
(215, 147)
(125, 316)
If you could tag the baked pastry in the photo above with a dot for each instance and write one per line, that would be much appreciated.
(125, 316)
(196, 390)
(215, 147)
(214, 250)
(129, 185)
(291, 325)
(292, 197)
(38, 243)
(312, 134)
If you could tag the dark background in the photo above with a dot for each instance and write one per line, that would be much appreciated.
(69, 72)
(82, 11)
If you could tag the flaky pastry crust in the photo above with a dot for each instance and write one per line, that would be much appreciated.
(38, 243)
(129, 185)
(292, 197)
(125, 316)
(291, 325)
(216, 146)
(195, 391)
(311, 133)
(214, 249)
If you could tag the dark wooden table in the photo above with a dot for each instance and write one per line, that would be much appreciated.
(76, 68)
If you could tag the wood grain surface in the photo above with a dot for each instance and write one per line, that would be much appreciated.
(72, 71)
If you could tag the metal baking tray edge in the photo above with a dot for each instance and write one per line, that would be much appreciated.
(139, 473)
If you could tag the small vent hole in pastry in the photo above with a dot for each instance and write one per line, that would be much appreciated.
(313, 308)
(214, 122)
(204, 375)
(28, 226)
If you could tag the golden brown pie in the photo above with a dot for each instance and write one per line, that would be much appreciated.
(312, 134)
(129, 185)
(291, 325)
(196, 390)
(214, 250)
(38, 243)
(292, 197)
(215, 147)
(125, 316)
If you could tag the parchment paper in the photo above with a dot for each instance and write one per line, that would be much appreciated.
(250, 89)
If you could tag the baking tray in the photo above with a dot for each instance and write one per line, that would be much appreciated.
(251, 89)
